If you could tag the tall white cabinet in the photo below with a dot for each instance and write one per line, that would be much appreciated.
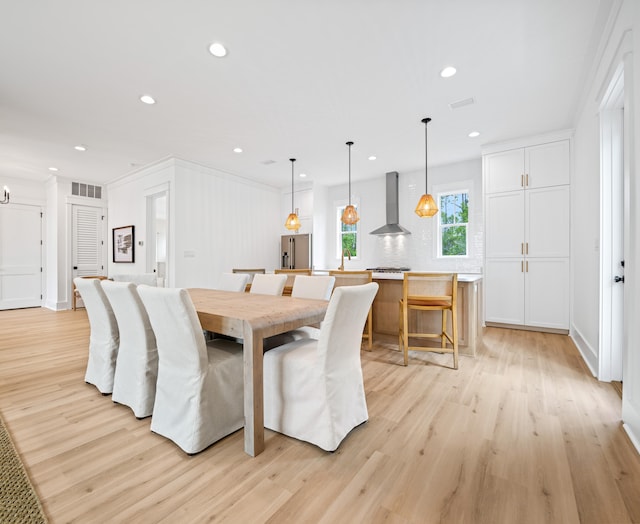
(527, 242)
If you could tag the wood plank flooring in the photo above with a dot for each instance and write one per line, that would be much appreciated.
(520, 434)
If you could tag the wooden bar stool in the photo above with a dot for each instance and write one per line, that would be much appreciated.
(357, 278)
(429, 292)
(291, 276)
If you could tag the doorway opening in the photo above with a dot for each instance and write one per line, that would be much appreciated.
(614, 220)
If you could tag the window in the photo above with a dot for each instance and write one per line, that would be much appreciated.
(453, 224)
(347, 235)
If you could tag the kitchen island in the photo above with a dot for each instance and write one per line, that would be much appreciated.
(386, 315)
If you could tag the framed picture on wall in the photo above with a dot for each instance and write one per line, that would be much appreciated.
(124, 244)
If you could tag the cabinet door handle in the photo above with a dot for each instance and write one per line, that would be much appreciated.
(522, 248)
(527, 267)
(521, 180)
(526, 183)
(522, 266)
(526, 248)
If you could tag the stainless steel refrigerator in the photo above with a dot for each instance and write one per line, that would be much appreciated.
(295, 252)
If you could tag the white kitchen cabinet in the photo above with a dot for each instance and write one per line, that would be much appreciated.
(542, 165)
(527, 235)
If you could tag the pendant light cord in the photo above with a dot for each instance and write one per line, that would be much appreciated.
(426, 154)
(349, 144)
(292, 161)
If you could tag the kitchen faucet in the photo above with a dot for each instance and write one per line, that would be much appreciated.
(341, 268)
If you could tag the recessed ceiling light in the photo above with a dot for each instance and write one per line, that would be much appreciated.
(80, 147)
(217, 49)
(237, 150)
(447, 72)
(372, 157)
(147, 99)
(303, 175)
(53, 168)
(474, 134)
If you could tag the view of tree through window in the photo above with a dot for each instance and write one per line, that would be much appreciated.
(454, 218)
(349, 234)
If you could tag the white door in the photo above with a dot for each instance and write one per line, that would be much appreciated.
(158, 236)
(20, 256)
(504, 171)
(547, 224)
(548, 164)
(504, 290)
(504, 221)
(547, 292)
(87, 244)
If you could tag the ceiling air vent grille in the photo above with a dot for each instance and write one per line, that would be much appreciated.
(86, 190)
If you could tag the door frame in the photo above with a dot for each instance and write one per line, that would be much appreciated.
(614, 178)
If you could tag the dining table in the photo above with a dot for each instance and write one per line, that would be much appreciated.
(253, 317)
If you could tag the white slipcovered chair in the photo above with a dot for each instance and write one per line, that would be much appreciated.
(147, 279)
(313, 389)
(268, 284)
(134, 382)
(200, 391)
(233, 282)
(318, 287)
(104, 338)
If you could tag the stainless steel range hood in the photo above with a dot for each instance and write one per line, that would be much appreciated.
(392, 227)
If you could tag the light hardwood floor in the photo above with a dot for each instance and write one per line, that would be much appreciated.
(520, 434)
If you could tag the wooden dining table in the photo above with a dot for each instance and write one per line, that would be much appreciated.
(253, 317)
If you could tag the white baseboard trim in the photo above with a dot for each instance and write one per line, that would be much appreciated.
(588, 354)
(632, 436)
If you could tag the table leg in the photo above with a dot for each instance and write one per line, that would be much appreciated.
(253, 393)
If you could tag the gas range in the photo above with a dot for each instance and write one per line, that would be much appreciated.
(387, 269)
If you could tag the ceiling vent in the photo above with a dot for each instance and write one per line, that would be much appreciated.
(461, 103)
(86, 190)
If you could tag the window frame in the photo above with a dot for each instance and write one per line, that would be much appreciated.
(339, 207)
(451, 190)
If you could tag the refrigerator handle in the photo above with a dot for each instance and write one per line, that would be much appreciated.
(293, 253)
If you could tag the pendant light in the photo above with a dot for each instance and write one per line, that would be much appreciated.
(426, 206)
(350, 215)
(293, 222)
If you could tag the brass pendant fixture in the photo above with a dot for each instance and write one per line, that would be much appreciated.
(293, 222)
(350, 215)
(426, 206)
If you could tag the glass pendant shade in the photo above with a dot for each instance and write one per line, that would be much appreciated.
(350, 215)
(293, 222)
(426, 206)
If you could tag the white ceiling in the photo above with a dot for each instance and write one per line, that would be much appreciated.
(301, 78)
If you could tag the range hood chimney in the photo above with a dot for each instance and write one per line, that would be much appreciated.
(392, 227)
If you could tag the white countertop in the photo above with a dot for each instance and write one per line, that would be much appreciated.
(462, 277)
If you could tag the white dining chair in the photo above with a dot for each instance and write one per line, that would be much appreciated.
(313, 389)
(317, 287)
(148, 279)
(233, 282)
(104, 338)
(314, 287)
(134, 381)
(200, 388)
(268, 284)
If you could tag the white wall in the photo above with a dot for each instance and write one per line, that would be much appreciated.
(417, 250)
(586, 201)
(217, 221)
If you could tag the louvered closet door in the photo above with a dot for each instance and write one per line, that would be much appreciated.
(20, 256)
(87, 242)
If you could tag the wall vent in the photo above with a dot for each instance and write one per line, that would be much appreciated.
(86, 190)
(461, 103)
